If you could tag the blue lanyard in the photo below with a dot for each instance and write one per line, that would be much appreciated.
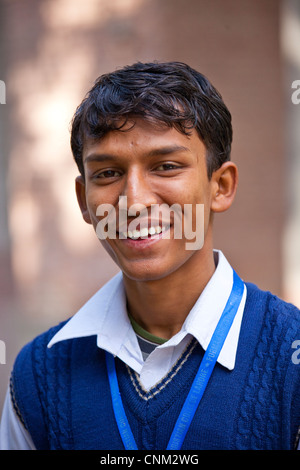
(198, 386)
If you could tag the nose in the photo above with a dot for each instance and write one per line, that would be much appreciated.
(138, 192)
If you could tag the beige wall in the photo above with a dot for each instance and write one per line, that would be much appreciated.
(51, 52)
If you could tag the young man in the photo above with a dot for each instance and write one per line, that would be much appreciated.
(176, 351)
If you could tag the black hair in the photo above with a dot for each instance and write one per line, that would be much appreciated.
(171, 93)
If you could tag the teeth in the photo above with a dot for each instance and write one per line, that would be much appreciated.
(144, 232)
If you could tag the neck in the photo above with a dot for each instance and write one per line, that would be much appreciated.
(161, 306)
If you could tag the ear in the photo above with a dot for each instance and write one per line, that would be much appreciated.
(81, 198)
(224, 185)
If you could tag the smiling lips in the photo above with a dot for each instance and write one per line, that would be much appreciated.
(144, 232)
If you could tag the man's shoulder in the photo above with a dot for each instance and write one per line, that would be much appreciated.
(32, 354)
(272, 302)
(40, 341)
(272, 315)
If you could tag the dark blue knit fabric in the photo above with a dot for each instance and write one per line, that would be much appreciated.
(62, 394)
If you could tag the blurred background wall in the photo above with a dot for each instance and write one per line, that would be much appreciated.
(51, 51)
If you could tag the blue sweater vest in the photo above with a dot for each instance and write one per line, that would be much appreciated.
(62, 394)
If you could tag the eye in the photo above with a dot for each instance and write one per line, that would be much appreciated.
(108, 174)
(167, 166)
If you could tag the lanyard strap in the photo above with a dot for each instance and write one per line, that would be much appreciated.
(120, 415)
(200, 381)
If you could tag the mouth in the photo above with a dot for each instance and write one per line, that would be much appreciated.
(144, 233)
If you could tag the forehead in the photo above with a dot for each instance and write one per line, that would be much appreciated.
(141, 137)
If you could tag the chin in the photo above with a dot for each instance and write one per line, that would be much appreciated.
(143, 274)
(148, 271)
(151, 268)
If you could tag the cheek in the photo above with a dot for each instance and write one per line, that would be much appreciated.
(110, 251)
(198, 200)
(193, 193)
(94, 199)
(194, 201)
(92, 208)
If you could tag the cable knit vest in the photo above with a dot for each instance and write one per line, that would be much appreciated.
(62, 394)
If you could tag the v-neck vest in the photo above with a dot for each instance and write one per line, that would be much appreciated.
(63, 398)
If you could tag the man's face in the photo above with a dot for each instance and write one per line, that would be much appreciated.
(147, 166)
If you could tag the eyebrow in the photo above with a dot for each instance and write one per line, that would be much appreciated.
(100, 157)
(168, 150)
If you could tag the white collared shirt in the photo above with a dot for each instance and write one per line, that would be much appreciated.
(107, 308)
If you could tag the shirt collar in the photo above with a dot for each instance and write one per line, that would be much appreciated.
(205, 314)
(107, 308)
